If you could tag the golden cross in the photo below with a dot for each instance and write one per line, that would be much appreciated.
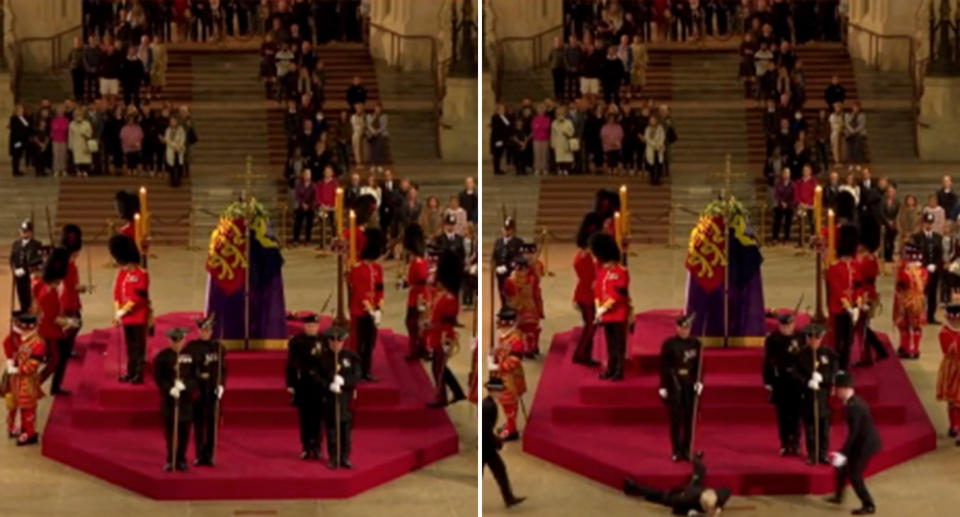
(727, 176)
(248, 176)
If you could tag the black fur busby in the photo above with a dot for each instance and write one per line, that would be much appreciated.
(55, 267)
(869, 234)
(364, 206)
(847, 239)
(450, 271)
(374, 245)
(607, 202)
(846, 206)
(124, 250)
(127, 205)
(592, 223)
(604, 247)
(71, 238)
(413, 240)
(24, 319)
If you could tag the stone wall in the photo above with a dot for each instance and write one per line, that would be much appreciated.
(890, 18)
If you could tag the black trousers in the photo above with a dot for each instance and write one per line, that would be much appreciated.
(24, 295)
(310, 410)
(493, 460)
(302, 219)
(183, 431)
(809, 431)
(680, 402)
(853, 471)
(136, 340)
(91, 86)
(787, 401)
(412, 322)
(559, 80)
(64, 351)
(176, 173)
(204, 417)
(843, 338)
(782, 217)
(15, 156)
(616, 333)
(498, 158)
(443, 378)
(77, 77)
(346, 429)
(889, 241)
(932, 289)
(584, 351)
(366, 340)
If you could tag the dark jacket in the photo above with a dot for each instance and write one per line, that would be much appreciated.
(863, 440)
(349, 369)
(469, 203)
(834, 93)
(499, 131)
(20, 133)
(491, 442)
(166, 364)
(932, 248)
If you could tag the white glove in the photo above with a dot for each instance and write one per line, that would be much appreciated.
(11, 369)
(219, 391)
(817, 377)
(180, 385)
(501, 270)
(854, 313)
(931, 267)
(338, 380)
(335, 388)
(73, 323)
(663, 393)
(600, 312)
(290, 390)
(813, 384)
(19, 272)
(422, 307)
(473, 269)
(492, 365)
(174, 392)
(377, 316)
(768, 387)
(698, 387)
(119, 314)
(837, 459)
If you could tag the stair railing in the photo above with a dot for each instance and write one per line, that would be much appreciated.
(438, 69)
(540, 46)
(56, 48)
(916, 69)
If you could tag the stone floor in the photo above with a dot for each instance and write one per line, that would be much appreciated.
(924, 486)
(447, 488)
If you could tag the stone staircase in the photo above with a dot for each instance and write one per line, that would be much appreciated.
(26, 197)
(516, 194)
(410, 99)
(691, 75)
(54, 85)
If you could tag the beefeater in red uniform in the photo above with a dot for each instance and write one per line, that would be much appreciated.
(585, 268)
(418, 272)
(366, 300)
(506, 363)
(71, 239)
(948, 376)
(440, 333)
(26, 353)
(131, 301)
(910, 301)
(843, 298)
(612, 298)
(520, 291)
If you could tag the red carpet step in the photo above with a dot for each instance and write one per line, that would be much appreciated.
(113, 430)
(607, 431)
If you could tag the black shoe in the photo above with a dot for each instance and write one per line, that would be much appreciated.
(60, 392)
(512, 437)
(866, 510)
(369, 378)
(182, 465)
(952, 433)
(203, 462)
(824, 460)
(346, 464)
(305, 455)
(167, 467)
(862, 364)
(930, 321)
(811, 461)
(13, 435)
(676, 458)
(315, 453)
(587, 362)
(136, 380)
(30, 440)
(698, 455)
(834, 500)
(515, 501)
(332, 464)
(458, 398)
(629, 486)
(606, 375)
(124, 378)
(784, 451)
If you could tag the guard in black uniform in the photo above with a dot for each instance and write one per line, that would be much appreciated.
(780, 377)
(506, 250)
(176, 377)
(210, 359)
(305, 381)
(816, 368)
(862, 443)
(680, 384)
(23, 252)
(691, 499)
(492, 443)
(341, 373)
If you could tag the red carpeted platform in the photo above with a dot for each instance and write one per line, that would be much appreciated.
(606, 430)
(113, 430)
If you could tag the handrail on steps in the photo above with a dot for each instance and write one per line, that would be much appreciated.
(537, 54)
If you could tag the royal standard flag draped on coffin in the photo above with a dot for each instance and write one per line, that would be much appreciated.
(707, 264)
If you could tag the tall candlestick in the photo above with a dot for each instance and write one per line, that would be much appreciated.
(617, 230)
(625, 219)
(353, 237)
(338, 211)
(817, 210)
(831, 238)
(144, 212)
(138, 230)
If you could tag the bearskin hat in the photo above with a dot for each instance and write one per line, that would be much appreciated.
(607, 202)
(450, 271)
(506, 314)
(124, 250)
(869, 233)
(846, 206)
(592, 223)
(364, 206)
(55, 267)
(373, 245)
(847, 239)
(71, 238)
(413, 240)
(127, 205)
(604, 247)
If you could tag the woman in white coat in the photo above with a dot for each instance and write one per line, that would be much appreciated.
(175, 138)
(561, 135)
(655, 138)
(81, 143)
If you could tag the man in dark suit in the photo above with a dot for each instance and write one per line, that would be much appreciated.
(450, 241)
(492, 443)
(690, 499)
(862, 443)
(391, 197)
(931, 245)
(506, 249)
(24, 251)
(947, 198)
(499, 134)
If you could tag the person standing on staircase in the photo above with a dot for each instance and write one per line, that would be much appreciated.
(175, 140)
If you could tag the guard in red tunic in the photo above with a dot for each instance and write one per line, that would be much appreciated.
(612, 298)
(366, 299)
(52, 322)
(26, 353)
(585, 268)
(127, 205)
(441, 332)
(71, 239)
(868, 269)
(418, 271)
(520, 290)
(842, 293)
(948, 378)
(909, 301)
(131, 301)
(506, 363)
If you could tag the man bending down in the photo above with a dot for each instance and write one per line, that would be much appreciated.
(692, 499)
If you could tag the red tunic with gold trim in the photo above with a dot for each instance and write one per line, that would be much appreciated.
(366, 287)
(586, 269)
(612, 288)
(128, 230)
(539, 270)
(842, 280)
(361, 240)
(418, 271)
(510, 371)
(131, 292)
(520, 288)
(48, 303)
(909, 299)
(948, 377)
(27, 353)
(868, 269)
(443, 309)
(69, 295)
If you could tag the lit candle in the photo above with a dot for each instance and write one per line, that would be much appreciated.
(831, 238)
(338, 211)
(817, 210)
(144, 213)
(625, 220)
(137, 230)
(617, 230)
(353, 237)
